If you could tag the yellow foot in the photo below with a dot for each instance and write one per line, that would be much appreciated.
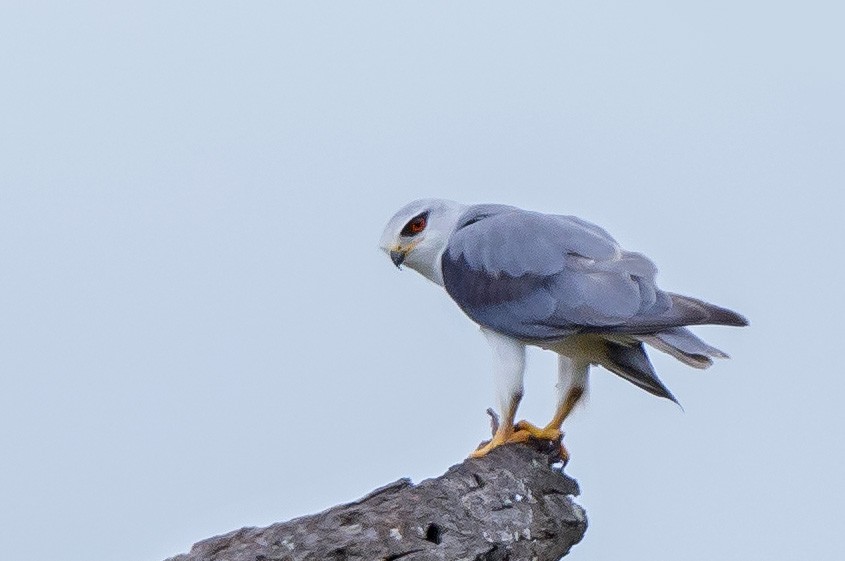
(515, 436)
(548, 433)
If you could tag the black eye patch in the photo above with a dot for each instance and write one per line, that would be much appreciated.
(415, 225)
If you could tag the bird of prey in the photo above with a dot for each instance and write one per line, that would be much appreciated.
(557, 282)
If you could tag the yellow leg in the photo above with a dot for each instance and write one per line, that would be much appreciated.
(548, 432)
(502, 436)
(505, 434)
(552, 431)
(572, 397)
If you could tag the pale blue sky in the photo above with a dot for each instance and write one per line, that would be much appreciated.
(198, 333)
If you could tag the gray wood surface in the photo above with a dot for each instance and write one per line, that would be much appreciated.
(514, 504)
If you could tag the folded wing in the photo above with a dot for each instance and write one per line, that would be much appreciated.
(538, 276)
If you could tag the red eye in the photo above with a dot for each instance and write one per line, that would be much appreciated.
(416, 225)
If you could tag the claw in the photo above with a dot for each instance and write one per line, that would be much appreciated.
(564, 454)
(498, 440)
(550, 433)
(547, 433)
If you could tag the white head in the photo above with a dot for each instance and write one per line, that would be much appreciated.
(417, 235)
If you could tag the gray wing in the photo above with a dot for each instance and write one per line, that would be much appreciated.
(540, 276)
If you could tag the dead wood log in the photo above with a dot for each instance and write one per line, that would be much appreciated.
(514, 504)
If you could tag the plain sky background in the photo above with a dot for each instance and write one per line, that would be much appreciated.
(198, 332)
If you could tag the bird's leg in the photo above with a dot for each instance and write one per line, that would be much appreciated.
(508, 369)
(552, 431)
(505, 434)
(572, 383)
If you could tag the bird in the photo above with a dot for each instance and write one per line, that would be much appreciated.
(557, 282)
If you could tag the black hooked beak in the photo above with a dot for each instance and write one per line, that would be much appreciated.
(398, 257)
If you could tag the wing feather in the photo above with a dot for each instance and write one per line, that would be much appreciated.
(540, 276)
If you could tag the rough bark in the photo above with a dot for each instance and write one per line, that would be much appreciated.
(514, 504)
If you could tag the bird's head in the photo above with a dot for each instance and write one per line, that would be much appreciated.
(417, 235)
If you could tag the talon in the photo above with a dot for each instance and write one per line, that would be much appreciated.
(482, 451)
(547, 433)
(518, 436)
(499, 440)
(564, 454)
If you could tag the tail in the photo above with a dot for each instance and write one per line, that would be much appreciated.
(666, 333)
(692, 311)
(684, 346)
(631, 363)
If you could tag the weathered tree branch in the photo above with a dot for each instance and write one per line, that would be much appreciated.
(514, 504)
